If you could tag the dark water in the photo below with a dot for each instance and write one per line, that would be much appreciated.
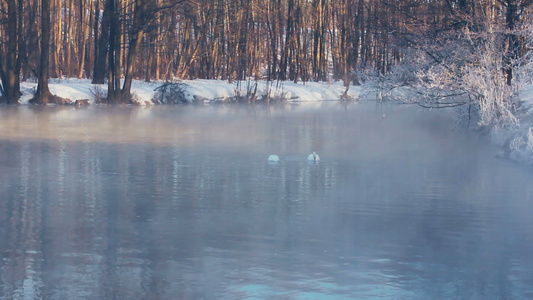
(181, 203)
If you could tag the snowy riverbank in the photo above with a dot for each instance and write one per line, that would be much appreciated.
(200, 90)
(516, 143)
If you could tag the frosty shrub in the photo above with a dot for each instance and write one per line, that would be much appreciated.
(394, 85)
(245, 93)
(98, 94)
(172, 93)
(467, 115)
(485, 82)
(273, 91)
(471, 76)
(377, 85)
(521, 147)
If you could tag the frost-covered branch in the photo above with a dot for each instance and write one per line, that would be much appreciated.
(475, 72)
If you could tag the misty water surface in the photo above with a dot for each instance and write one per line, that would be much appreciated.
(180, 203)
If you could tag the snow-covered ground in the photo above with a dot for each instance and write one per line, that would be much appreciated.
(206, 90)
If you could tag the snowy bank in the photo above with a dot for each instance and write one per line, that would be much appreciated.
(202, 90)
(517, 142)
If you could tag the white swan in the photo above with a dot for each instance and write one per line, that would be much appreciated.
(313, 157)
(273, 158)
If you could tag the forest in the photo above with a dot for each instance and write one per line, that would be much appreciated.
(116, 41)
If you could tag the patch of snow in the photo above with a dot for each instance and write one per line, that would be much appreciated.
(208, 90)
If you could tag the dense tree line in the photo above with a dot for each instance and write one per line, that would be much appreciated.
(298, 40)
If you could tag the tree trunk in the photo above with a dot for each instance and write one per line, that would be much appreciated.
(43, 95)
(319, 47)
(513, 44)
(9, 66)
(57, 39)
(133, 49)
(149, 62)
(141, 18)
(84, 43)
(101, 51)
(113, 83)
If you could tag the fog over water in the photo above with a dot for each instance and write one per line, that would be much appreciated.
(180, 202)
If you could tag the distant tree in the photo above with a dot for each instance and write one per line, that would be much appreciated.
(297, 40)
(143, 13)
(29, 49)
(320, 20)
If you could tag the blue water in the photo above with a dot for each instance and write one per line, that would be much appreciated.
(181, 203)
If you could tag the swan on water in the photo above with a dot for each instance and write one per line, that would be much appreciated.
(273, 158)
(313, 157)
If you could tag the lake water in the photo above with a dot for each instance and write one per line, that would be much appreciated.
(181, 203)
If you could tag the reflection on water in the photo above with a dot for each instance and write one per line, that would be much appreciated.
(181, 203)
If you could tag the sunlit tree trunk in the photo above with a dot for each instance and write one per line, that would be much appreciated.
(84, 39)
(56, 36)
(139, 22)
